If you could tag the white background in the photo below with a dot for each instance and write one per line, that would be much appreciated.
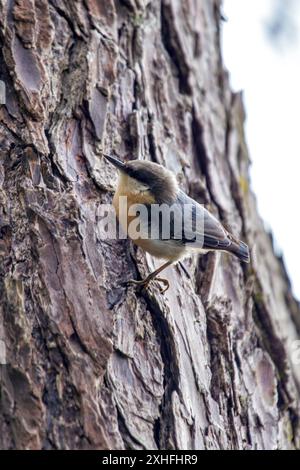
(269, 73)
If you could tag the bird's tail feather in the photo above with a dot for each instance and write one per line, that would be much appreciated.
(241, 250)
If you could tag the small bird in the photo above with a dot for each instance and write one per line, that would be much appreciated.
(150, 184)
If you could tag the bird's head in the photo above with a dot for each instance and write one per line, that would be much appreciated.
(150, 181)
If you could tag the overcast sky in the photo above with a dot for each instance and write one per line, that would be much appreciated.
(269, 73)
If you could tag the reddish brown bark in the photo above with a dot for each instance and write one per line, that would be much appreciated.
(90, 363)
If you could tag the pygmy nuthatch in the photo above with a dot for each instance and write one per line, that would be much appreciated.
(149, 184)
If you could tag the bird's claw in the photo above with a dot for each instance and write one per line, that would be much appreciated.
(145, 282)
(166, 283)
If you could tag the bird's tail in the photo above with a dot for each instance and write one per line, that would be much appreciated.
(241, 250)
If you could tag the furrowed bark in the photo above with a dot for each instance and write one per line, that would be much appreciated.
(86, 362)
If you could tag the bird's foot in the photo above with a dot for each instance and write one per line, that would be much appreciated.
(145, 282)
(166, 283)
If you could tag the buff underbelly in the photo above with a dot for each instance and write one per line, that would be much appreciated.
(163, 249)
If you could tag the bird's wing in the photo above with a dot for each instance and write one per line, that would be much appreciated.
(205, 231)
(198, 228)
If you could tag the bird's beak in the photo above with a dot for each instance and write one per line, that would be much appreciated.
(117, 163)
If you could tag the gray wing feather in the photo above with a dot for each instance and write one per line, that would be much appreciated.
(208, 233)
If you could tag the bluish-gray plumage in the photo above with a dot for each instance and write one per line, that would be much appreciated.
(151, 185)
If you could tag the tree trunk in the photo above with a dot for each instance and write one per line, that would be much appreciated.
(86, 362)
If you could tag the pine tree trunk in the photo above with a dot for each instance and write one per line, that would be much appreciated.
(86, 362)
